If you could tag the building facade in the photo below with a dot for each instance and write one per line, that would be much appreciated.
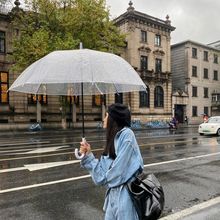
(147, 50)
(195, 68)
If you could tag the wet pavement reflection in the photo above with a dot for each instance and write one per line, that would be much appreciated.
(41, 179)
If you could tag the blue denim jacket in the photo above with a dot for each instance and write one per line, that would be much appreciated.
(114, 173)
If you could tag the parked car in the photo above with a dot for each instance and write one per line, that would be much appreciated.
(211, 126)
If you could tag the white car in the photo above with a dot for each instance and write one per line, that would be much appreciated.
(212, 126)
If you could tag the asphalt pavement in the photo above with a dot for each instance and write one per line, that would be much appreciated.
(184, 161)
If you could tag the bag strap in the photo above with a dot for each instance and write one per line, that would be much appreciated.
(139, 171)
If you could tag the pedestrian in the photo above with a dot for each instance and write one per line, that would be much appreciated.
(186, 119)
(205, 118)
(173, 123)
(119, 163)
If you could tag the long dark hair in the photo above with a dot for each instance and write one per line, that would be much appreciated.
(111, 131)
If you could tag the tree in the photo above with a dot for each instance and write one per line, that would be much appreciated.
(48, 25)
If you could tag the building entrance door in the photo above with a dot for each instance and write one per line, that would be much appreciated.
(179, 113)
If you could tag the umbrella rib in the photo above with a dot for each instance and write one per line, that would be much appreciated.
(38, 89)
(98, 89)
(115, 88)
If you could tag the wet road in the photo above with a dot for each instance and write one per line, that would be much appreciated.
(41, 179)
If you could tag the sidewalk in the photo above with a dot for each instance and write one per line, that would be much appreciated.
(209, 210)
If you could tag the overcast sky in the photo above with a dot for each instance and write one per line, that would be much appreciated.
(197, 20)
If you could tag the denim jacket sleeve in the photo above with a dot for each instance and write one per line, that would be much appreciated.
(97, 168)
(122, 168)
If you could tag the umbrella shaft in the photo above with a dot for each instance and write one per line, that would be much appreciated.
(83, 127)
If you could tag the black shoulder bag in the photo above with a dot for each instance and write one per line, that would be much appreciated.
(147, 196)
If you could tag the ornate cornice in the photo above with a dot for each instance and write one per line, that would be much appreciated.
(138, 17)
(151, 75)
(159, 52)
(144, 49)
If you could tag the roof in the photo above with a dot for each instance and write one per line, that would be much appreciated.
(195, 43)
(133, 14)
(215, 44)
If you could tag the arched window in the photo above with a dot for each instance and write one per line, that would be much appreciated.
(144, 98)
(158, 96)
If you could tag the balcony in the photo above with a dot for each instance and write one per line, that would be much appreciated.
(215, 99)
(150, 75)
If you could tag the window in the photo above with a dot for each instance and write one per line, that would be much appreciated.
(194, 111)
(206, 92)
(215, 58)
(144, 63)
(76, 100)
(144, 98)
(157, 40)
(206, 73)
(158, 65)
(205, 55)
(32, 99)
(2, 42)
(143, 36)
(194, 91)
(70, 99)
(215, 75)
(3, 87)
(119, 98)
(206, 110)
(194, 52)
(194, 71)
(98, 99)
(158, 96)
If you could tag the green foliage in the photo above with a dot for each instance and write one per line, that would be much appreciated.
(48, 25)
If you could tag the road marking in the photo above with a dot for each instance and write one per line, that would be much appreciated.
(25, 143)
(26, 150)
(77, 142)
(86, 176)
(98, 149)
(183, 159)
(40, 166)
(189, 211)
(34, 147)
(43, 150)
(29, 157)
(43, 184)
(9, 151)
(12, 169)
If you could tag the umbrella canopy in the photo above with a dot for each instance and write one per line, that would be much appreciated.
(63, 72)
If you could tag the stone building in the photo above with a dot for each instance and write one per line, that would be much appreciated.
(195, 69)
(147, 50)
(6, 110)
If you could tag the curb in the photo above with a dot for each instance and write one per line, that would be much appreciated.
(189, 211)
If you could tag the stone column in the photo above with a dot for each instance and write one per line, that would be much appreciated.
(38, 111)
(74, 113)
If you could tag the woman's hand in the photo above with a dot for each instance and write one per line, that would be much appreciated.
(85, 148)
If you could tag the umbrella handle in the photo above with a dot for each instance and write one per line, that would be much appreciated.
(77, 155)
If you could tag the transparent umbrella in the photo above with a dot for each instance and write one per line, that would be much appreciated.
(62, 72)
(78, 72)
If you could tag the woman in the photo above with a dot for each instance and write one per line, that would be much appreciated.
(120, 162)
